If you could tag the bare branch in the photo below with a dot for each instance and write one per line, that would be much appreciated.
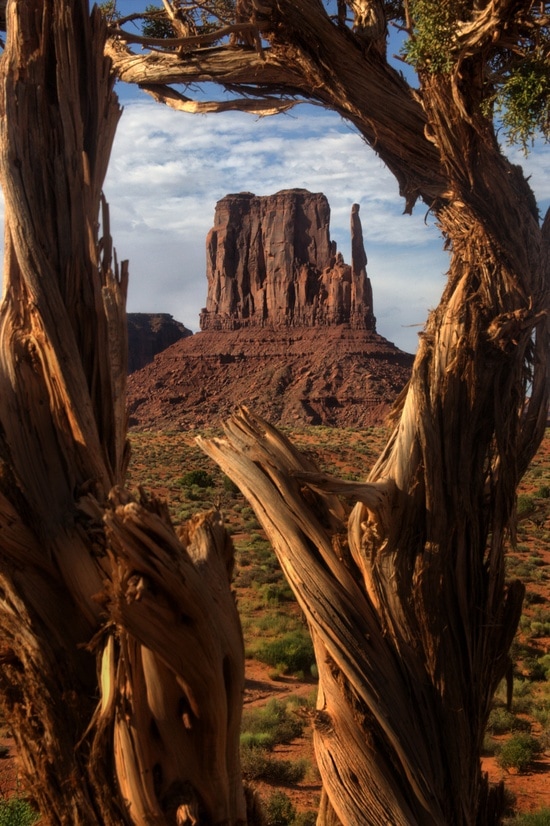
(338, 73)
(175, 100)
(185, 42)
(222, 65)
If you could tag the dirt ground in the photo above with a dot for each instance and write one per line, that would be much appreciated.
(530, 791)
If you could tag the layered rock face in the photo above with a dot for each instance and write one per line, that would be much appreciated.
(271, 262)
(288, 328)
(291, 376)
(150, 334)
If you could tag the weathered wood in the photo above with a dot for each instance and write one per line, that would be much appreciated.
(406, 599)
(122, 656)
(405, 595)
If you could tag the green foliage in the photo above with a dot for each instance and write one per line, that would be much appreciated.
(540, 629)
(305, 819)
(263, 728)
(430, 47)
(517, 70)
(257, 740)
(518, 752)
(17, 812)
(229, 485)
(536, 624)
(199, 477)
(544, 665)
(157, 23)
(276, 721)
(275, 594)
(258, 764)
(523, 100)
(540, 818)
(198, 19)
(293, 652)
(279, 810)
(525, 505)
(501, 721)
(534, 669)
(109, 10)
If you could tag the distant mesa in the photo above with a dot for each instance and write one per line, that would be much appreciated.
(271, 262)
(150, 334)
(288, 327)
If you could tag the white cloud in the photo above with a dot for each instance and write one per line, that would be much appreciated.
(536, 167)
(168, 170)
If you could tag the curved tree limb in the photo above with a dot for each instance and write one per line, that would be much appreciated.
(325, 63)
(77, 566)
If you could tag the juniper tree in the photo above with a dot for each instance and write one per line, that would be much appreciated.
(122, 667)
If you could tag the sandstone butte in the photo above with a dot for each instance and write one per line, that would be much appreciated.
(149, 334)
(288, 327)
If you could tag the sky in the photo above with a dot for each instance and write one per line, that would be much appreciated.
(168, 169)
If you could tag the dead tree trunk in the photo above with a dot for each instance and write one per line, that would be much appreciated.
(405, 596)
(122, 657)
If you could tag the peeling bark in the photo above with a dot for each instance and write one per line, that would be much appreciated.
(403, 588)
(405, 592)
(122, 657)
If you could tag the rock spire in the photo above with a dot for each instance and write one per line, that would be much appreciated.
(271, 262)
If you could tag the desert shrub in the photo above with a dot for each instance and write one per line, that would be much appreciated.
(17, 812)
(258, 764)
(540, 818)
(537, 669)
(544, 492)
(518, 752)
(274, 593)
(489, 746)
(305, 819)
(293, 652)
(533, 669)
(276, 719)
(501, 721)
(254, 762)
(525, 504)
(245, 579)
(229, 485)
(199, 478)
(532, 598)
(522, 696)
(279, 810)
(542, 715)
(258, 739)
(539, 628)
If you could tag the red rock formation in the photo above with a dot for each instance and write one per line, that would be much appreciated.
(150, 334)
(292, 376)
(288, 328)
(271, 262)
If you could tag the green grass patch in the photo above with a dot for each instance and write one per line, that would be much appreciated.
(518, 752)
(540, 818)
(501, 721)
(525, 505)
(15, 811)
(276, 720)
(279, 810)
(259, 764)
(291, 653)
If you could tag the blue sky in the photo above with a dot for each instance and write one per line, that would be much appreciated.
(168, 169)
